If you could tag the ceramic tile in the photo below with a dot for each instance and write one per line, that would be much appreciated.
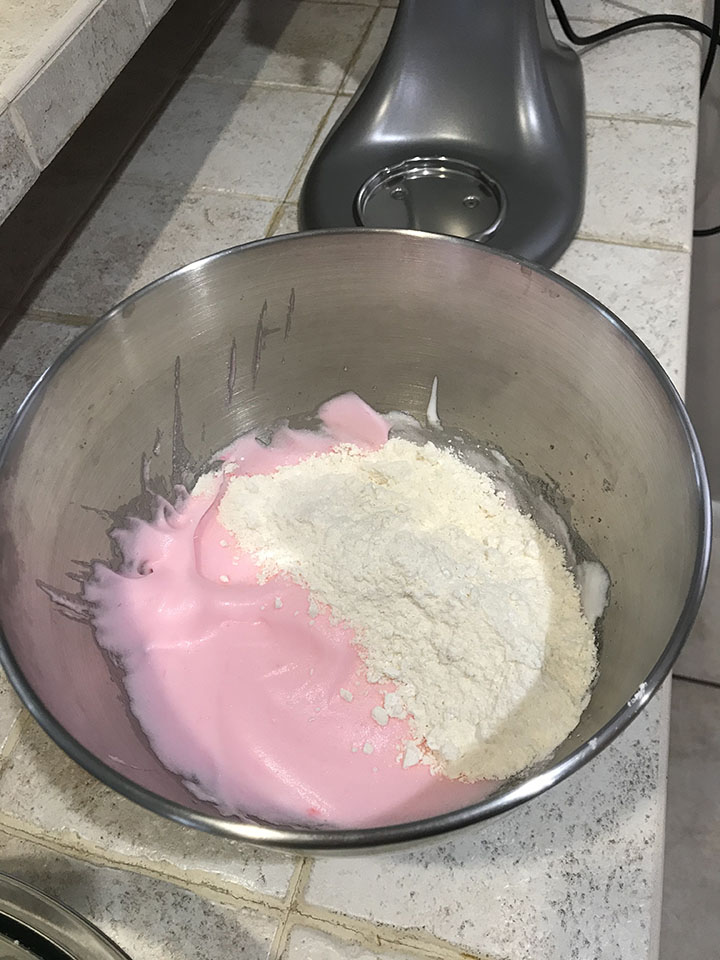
(305, 943)
(154, 10)
(36, 231)
(27, 351)
(149, 919)
(24, 25)
(140, 232)
(305, 44)
(371, 49)
(230, 138)
(690, 920)
(17, 170)
(701, 655)
(639, 183)
(323, 130)
(667, 94)
(45, 790)
(48, 27)
(619, 10)
(9, 709)
(573, 873)
(287, 220)
(8, 65)
(54, 103)
(648, 290)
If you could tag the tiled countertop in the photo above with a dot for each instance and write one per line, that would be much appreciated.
(577, 872)
(57, 58)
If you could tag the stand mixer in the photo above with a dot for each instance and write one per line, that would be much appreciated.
(471, 123)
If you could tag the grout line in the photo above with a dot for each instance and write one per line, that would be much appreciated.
(414, 941)
(13, 735)
(597, 20)
(145, 14)
(646, 245)
(262, 906)
(304, 874)
(355, 3)
(339, 90)
(712, 684)
(51, 316)
(323, 121)
(279, 940)
(359, 48)
(642, 118)
(309, 151)
(23, 133)
(196, 880)
(188, 189)
(321, 127)
(294, 891)
(265, 84)
(298, 881)
(275, 218)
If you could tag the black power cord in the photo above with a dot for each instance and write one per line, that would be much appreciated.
(660, 19)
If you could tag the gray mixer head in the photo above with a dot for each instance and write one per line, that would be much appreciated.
(471, 123)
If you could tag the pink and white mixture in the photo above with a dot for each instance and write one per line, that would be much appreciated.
(258, 701)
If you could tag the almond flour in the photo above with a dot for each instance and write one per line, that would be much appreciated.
(452, 592)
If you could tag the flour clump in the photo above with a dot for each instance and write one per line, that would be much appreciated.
(453, 594)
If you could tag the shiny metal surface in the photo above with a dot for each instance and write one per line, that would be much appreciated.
(12, 950)
(525, 361)
(485, 83)
(42, 927)
(437, 194)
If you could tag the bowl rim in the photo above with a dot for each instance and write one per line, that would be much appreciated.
(339, 839)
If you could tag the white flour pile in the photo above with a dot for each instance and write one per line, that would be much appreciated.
(454, 595)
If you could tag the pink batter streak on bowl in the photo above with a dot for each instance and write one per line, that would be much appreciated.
(236, 685)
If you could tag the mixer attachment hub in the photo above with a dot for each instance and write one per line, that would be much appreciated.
(436, 194)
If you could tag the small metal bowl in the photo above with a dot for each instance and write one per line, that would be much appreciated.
(33, 926)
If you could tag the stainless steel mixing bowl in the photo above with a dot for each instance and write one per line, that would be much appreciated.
(525, 360)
